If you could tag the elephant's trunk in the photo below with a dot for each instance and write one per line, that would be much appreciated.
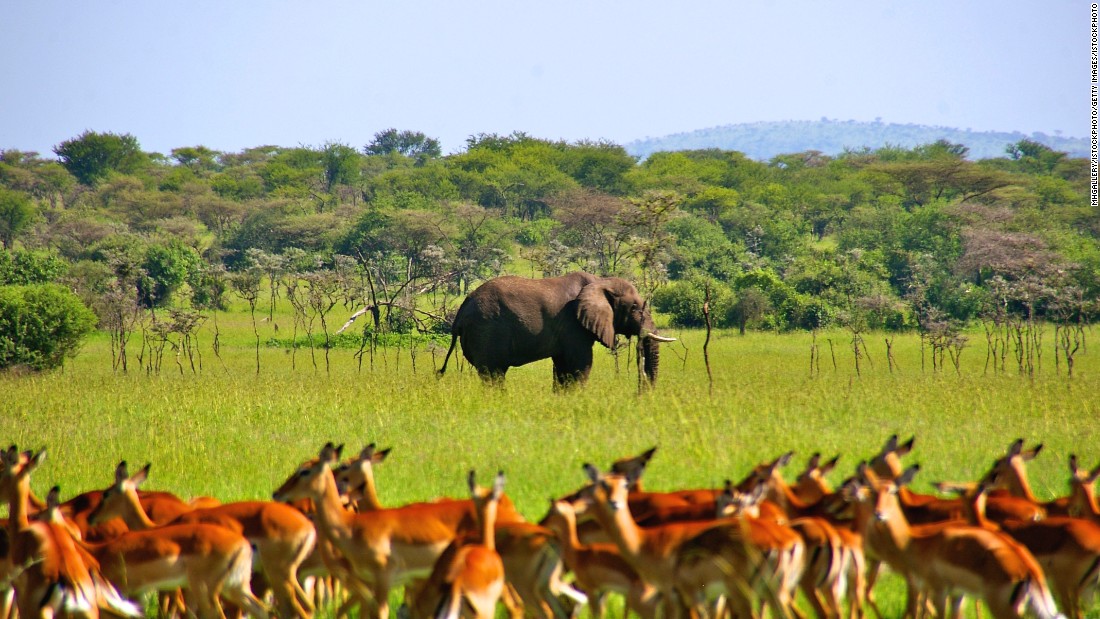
(649, 355)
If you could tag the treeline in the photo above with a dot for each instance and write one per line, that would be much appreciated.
(894, 238)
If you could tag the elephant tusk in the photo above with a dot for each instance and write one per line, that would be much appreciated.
(659, 338)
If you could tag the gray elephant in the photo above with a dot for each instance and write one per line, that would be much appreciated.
(510, 321)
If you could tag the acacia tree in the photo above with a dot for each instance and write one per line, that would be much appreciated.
(92, 156)
(412, 144)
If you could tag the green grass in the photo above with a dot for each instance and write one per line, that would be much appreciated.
(229, 432)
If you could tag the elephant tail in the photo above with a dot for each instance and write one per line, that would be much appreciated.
(454, 339)
(456, 330)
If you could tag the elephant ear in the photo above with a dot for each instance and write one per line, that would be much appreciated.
(595, 313)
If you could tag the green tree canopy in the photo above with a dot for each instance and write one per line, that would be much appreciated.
(92, 156)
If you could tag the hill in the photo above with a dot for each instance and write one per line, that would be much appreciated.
(764, 140)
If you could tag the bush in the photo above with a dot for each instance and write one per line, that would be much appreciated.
(682, 302)
(21, 267)
(41, 325)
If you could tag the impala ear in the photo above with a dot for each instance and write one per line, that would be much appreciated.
(595, 313)
(122, 472)
(140, 477)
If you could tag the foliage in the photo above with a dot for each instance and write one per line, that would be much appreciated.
(682, 301)
(412, 144)
(92, 156)
(41, 325)
(802, 240)
(167, 267)
(17, 211)
(21, 267)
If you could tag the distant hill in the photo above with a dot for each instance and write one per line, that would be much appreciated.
(764, 140)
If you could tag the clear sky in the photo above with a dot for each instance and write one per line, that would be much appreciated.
(233, 74)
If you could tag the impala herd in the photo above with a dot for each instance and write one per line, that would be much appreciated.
(747, 549)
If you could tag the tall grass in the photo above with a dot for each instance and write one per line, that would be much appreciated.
(229, 432)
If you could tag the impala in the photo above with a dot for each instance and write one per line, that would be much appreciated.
(383, 548)
(926, 509)
(468, 578)
(689, 562)
(1010, 472)
(1067, 549)
(282, 536)
(599, 568)
(1083, 491)
(811, 487)
(824, 579)
(48, 573)
(532, 561)
(950, 560)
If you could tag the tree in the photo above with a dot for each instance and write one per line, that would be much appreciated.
(196, 158)
(41, 325)
(751, 305)
(16, 215)
(412, 144)
(341, 163)
(92, 156)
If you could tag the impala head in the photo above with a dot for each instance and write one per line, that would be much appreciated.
(1011, 469)
(634, 466)
(1082, 484)
(882, 494)
(732, 502)
(766, 476)
(52, 513)
(887, 462)
(974, 495)
(119, 494)
(484, 495)
(810, 483)
(310, 478)
(355, 477)
(15, 471)
(609, 489)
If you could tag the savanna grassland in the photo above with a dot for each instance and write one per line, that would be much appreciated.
(230, 432)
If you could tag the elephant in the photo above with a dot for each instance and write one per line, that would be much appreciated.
(511, 321)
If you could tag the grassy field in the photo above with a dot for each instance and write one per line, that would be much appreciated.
(229, 432)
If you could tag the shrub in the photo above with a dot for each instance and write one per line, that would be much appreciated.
(682, 302)
(41, 325)
(21, 267)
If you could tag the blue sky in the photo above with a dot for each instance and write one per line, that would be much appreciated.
(233, 75)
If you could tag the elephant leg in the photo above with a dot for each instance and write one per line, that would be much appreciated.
(492, 376)
(572, 369)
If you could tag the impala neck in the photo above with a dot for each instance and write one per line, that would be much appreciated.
(782, 494)
(1017, 485)
(332, 518)
(18, 509)
(620, 527)
(1083, 498)
(889, 538)
(369, 499)
(488, 517)
(35, 504)
(134, 515)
